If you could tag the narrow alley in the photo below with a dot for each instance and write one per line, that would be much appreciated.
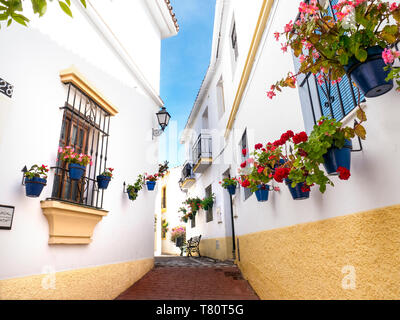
(188, 278)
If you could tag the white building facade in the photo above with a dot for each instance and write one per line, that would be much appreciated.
(91, 82)
(291, 249)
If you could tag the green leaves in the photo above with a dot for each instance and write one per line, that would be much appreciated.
(39, 7)
(361, 54)
(65, 7)
(9, 9)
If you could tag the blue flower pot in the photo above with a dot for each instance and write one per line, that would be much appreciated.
(150, 185)
(103, 181)
(262, 193)
(369, 75)
(231, 190)
(76, 171)
(296, 192)
(336, 158)
(34, 186)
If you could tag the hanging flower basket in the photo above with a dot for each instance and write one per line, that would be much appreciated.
(262, 192)
(151, 185)
(34, 186)
(370, 75)
(35, 180)
(231, 190)
(298, 192)
(76, 171)
(103, 181)
(336, 158)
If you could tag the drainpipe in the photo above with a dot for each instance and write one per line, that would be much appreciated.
(233, 230)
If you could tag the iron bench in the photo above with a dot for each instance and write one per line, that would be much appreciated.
(193, 246)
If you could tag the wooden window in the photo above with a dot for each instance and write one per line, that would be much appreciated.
(85, 127)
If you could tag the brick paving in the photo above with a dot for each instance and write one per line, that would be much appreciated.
(187, 278)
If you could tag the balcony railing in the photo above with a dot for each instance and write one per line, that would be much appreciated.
(187, 176)
(202, 153)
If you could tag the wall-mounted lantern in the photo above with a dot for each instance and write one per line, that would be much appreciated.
(163, 119)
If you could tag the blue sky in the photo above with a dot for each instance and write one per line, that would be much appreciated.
(184, 62)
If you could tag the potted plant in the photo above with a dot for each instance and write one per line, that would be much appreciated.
(184, 217)
(208, 202)
(229, 184)
(163, 169)
(350, 40)
(194, 205)
(257, 171)
(164, 228)
(134, 189)
(35, 180)
(178, 235)
(77, 162)
(151, 181)
(104, 179)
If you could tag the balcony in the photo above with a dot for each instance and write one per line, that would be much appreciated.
(187, 180)
(202, 153)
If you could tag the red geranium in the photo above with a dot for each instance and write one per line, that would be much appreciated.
(300, 137)
(344, 173)
(258, 146)
(243, 164)
(244, 152)
(245, 183)
(281, 173)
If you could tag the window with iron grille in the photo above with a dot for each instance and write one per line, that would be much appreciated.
(209, 216)
(327, 99)
(85, 127)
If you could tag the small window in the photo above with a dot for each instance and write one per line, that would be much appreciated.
(164, 199)
(244, 145)
(234, 41)
(209, 214)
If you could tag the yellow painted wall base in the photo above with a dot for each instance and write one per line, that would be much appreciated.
(208, 248)
(316, 260)
(97, 283)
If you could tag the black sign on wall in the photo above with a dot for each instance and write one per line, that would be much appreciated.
(6, 88)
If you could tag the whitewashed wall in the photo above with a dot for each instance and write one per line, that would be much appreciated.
(245, 14)
(30, 124)
(372, 183)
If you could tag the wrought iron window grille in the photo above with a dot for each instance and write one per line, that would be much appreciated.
(334, 101)
(85, 127)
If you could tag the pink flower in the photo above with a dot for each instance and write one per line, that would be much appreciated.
(315, 54)
(289, 26)
(277, 35)
(250, 160)
(320, 79)
(284, 47)
(271, 94)
(394, 7)
(387, 56)
(60, 150)
(302, 58)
